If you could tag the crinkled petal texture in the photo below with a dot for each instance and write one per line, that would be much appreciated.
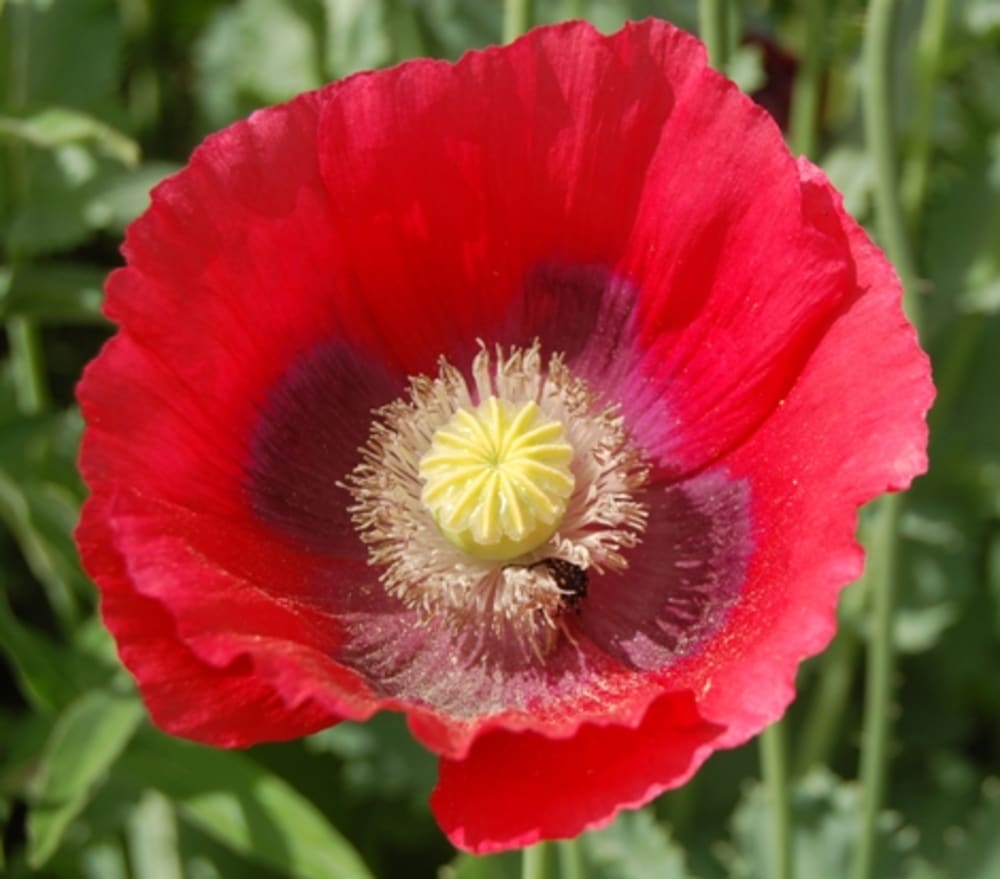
(627, 207)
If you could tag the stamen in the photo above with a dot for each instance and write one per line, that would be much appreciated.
(486, 503)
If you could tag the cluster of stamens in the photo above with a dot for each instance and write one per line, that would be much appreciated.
(473, 495)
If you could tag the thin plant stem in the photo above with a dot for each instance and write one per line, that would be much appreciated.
(825, 714)
(878, 683)
(577, 9)
(571, 863)
(774, 764)
(881, 143)
(930, 48)
(951, 376)
(891, 224)
(824, 717)
(28, 366)
(535, 861)
(713, 21)
(518, 16)
(23, 338)
(677, 807)
(734, 26)
(805, 111)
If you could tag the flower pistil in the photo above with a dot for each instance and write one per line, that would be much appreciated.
(497, 478)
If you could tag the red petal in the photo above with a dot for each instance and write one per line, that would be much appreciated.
(235, 247)
(453, 697)
(514, 789)
(227, 284)
(450, 184)
(851, 428)
(222, 704)
(741, 271)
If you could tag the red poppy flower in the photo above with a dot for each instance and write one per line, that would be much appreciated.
(533, 396)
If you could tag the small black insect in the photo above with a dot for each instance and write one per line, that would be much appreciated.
(571, 580)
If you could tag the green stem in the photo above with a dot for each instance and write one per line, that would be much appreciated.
(18, 20)
(804, 121)
(713, 20)
(878, 684)
(28, 367)
(518, 16)
(824, 718)
(677, 808)
(576, 9)
(535, 861)
(880, 136)
(734, 26)
(930, 48)
(26, 355)
(571, 863)
(881, 142)
(775, 768)
(951, 376)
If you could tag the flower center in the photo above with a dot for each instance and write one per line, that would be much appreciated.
(489, 501)
(497, 478)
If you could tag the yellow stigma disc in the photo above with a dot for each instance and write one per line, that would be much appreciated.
(497, 478)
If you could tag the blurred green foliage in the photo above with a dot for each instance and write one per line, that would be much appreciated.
(99, 99)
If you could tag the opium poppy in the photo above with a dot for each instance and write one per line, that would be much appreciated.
(533, 396)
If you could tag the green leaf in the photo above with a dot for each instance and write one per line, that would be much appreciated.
(852, 171)
(938, 563)
(40, 500)
(41, 516)
(234, 800)
(982, 16)
(39, 665)
(746, 68)
(455, 26)
(55, 293)
(634, 847)
(75, 47)
(964, 449)
(50, 214)
(504, 866)
(356, 36)
(117, 199)
(380, 758)
(104, 860)
(57, 126)
(71, 192)
(982, 275)
(93, 643)
(976, 854)
(963, 231)
(993, 579)
(152, 839)
(610, 15)
(825, 829)
(258, 52)
(84, 743)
